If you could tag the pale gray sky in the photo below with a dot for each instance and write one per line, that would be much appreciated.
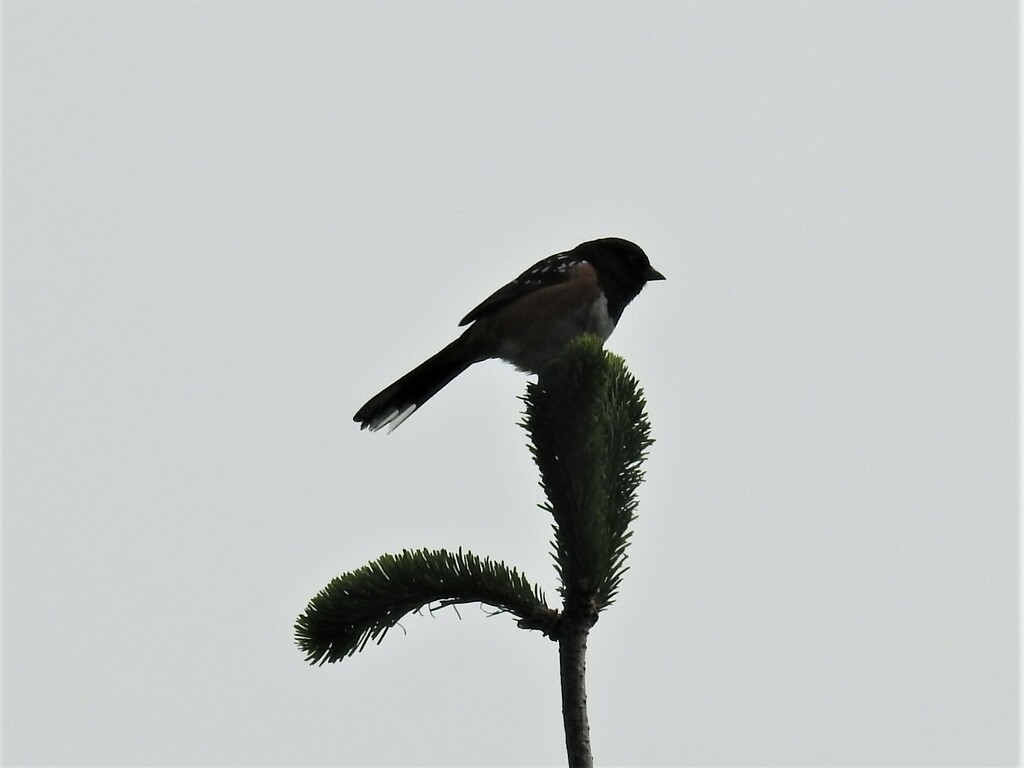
(226, 225)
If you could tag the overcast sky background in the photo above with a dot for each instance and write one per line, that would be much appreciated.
(226, 225)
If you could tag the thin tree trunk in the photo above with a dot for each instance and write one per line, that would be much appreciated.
(572, 653)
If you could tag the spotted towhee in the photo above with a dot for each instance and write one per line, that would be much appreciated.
(527, 322)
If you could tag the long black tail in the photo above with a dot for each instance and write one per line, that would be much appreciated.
(396, 403)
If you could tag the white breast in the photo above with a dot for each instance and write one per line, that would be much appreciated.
(600, 322)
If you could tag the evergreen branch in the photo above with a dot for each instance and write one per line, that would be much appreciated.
(364, 604)
(560, 411)
(588, 436)
(628, 438)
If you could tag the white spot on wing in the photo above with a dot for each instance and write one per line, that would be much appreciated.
(558, 263)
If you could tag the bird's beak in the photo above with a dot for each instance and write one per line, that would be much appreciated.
(653, 274)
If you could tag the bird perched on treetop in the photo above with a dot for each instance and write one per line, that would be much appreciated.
(527, 322)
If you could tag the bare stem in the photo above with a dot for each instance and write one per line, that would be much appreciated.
(572, 658)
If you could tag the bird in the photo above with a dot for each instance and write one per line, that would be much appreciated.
(527, 322)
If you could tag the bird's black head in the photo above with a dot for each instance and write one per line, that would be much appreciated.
(622, 270)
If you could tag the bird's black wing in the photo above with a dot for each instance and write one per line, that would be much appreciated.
(550, 271)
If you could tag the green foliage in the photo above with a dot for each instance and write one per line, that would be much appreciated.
(589, 435)
(364, 604)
